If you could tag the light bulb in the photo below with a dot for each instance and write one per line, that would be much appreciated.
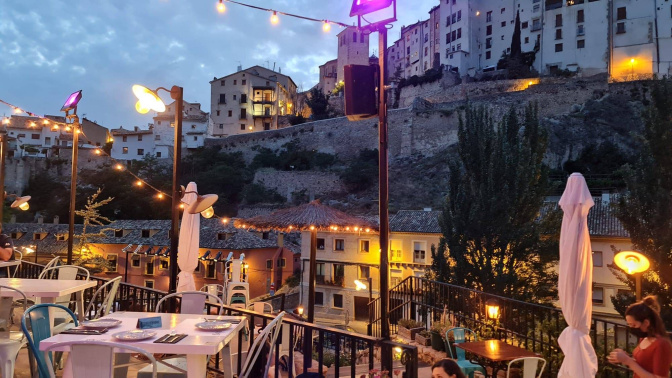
(159, 196)
(225, 221)
(119, 167)
(274, 18)
(45, 122)
(17, 110)
(181, 206)
(141, 109)
(97, 151)
(24, 206)
(221, 8)
(138, 183)
(326, 27)
(32, 124)
(5, 121)
(208, 213)
(67, 128)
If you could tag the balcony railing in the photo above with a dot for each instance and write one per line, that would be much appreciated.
(349, 351)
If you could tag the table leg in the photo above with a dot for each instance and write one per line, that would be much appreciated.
(80, 305)
(197, 365)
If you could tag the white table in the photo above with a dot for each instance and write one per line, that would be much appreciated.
(49, 290)
(7, 264)
(197, 346)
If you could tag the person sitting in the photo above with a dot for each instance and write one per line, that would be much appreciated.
(6, 252)
(447, 368)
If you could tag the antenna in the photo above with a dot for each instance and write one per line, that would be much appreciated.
(273, 66)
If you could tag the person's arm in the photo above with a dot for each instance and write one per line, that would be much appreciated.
(621, 356)
(6, 253)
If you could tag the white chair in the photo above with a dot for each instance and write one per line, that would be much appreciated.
(96, 358)
(530, 366)
(62, 272)
(108, 301)
(10, 342)
(53, 262)
(262, 308)
(192, 302)
(214, 289)
(16, 268)
(270, 334)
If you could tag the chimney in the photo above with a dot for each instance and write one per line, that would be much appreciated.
(279, 69)
(135, 128)
(281, 239)
(40, 219)
(56, 219)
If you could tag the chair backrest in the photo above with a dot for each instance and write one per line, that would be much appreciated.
(460, 335)
(530, 366)
(107, 301)
(270, 333)
(40, 325)
(19, 258)
(96, 358)
(7, 304)
(262, 307)
(192, 302)
(65, 272)
(54, 262)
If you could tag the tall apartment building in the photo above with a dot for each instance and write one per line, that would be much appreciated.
(353, 48)
(621, 37)
(250, 100)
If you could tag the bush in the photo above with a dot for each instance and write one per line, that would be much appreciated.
(362, 173)
(296, 119)
(410, 323)
(256, 193)
(293, 280)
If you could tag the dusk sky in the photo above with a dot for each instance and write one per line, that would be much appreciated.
(49, 49)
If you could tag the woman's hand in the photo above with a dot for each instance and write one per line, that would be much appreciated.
(619, 356)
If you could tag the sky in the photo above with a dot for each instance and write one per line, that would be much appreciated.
(49, 49)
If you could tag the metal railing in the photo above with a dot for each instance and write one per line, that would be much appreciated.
(531, 326)
(334, 349)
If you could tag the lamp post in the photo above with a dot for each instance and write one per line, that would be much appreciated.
(71, 105)
(150, 100)
(633, 263)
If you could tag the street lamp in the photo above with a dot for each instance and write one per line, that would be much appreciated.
(633, 263)
(149, 100)
(71, 105)
(359, 285)
(492, 309)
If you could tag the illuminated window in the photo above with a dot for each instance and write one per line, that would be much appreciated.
(364, 246)
(112, 260)
(364, 271)
(124, 150)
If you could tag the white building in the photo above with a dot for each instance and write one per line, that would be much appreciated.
(133, 144)
(353, 48)
(621, 37)
(250, 100)
(194, 128)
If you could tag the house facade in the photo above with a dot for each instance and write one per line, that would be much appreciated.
(249, 100)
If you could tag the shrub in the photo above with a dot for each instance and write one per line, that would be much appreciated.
(256, 193)
(410, 323)
(362, 173)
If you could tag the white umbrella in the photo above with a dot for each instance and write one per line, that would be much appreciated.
(187, 255)
(575, 280)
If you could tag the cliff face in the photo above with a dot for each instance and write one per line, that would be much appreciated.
(576, 113)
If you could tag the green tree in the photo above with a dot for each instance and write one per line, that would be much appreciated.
(517, 62)
(645, 210)
(318, 103)
(489, 221)
(362, 173)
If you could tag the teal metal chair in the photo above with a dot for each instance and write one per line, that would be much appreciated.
(459, 337)
(40, 329)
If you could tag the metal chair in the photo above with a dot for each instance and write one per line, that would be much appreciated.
(96, 358)
(530, 366)
(107, 302)
(269, 333)
(15, 268)
(40, 324)
(63, 272)
(53, 262)
(460, 336)
(11, 342)
(214, 289)
(192, 302)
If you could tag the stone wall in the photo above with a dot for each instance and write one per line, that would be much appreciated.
(313, 183)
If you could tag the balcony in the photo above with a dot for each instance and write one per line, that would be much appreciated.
(264, 101)
(257, 115)
(263, 87)
(338, 281)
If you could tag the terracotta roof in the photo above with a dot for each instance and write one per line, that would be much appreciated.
(122, 131)
(417, 221)
(24, 122)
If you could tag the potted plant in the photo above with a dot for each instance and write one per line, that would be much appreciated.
(409, 327)
(438, 332)
(423, 337)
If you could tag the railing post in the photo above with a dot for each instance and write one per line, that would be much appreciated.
(282, 302)
(412, 301)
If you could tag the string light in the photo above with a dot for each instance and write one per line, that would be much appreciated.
(119, 167)
(45, 122)
(5, 121)
(138, 183)
(97, 151)
(17, 111)
(159, 196)
(274, 18)
(326, 27)
(181, 206)
(225, 221)
(68, 128)
(221, 8)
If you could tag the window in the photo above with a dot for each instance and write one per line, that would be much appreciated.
(158, 154)
(34, 136)
(195, 138)
(243, 98)
(488, 30)
(283, 263)
(118, 233)
(319, 298)
(269, 264)
(487, 55)
(620, 28)
(363, 271)
(581, 43)
(558, 34)
(459, 33)
(426, 50)
(319, 269)
(453, 35)
(235, 97)
(235, 82)
(112, 260)
(339, 244)
(488, 43)
(139, 138)
(453, 18)
(320, 243)
(145, 233)
(59, 237)
(621, 13)
(579, 16)
(222, 82)
(135, 261)
(267, 125)
(408, 50)
(222, 98)
(598, 295)
(448, 21)
(558, 47)
(419, 251)
(580, 30)
(243, 113)
(149, 267)
(523, 25)
(141, 151)
(218, 112)
(597, 258)
(503, 23)
(338, 301)
(558, 20)
(243, 82)
(211, 266)
(488, 17)
(163, 264)
(459, 15)
(395, 250)
(339, 271)
(361, 37)
(459, 47)
(242, 126)
(157, 137)
(149, 284)
(448, 38)
(47, 141)
(230, 113)
(124, 138)
(124, 150)
(536, 24)
(527, 39)
(502, 11)
(364, 246)
(354, 37)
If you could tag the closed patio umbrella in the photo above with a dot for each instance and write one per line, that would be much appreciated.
(187, 249)
(575, 280)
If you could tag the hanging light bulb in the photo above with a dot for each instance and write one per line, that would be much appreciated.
(119, 167)
(5, 121)
(326, 27)
(221, 8)
(33, 124)
(17, 110)
(97, 151)
(67, 128)
(138, 183)
(225, 221)
(274, 18)
(159, 196)
(45, 122)
(181, 206)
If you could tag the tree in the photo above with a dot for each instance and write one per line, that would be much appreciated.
(91, 217)
(645, 210)
(490, 224)
(516, 61)
(318, 103)
(516, 50)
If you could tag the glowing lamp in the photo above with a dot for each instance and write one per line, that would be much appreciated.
(21, 203)
(119, 167)
(274, 18)
(221, 8)
(28, 249)
(45, 122)
(72, 101)
(326, 27)
(138, 183)
(312, 228)
(492, 309)
(159, 196)
(478, 13)
(359, 285)
(97, 151)
(5, 121)
(18, 111)
(147, 100)
(225, 221)
(363, 7)
(203, 205)
(632, 60)
(250, 127)
(208, 213)
(300, 310)
(632, 262)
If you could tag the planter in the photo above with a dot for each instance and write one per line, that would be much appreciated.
(450, 346)
(437, 342)
(409, 333)
(422, 340)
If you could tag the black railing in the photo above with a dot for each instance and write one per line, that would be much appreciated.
(527, 325)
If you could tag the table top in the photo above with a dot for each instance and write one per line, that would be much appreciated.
(495, 350)
(46, 288)
(198, 341)
(9, 263)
